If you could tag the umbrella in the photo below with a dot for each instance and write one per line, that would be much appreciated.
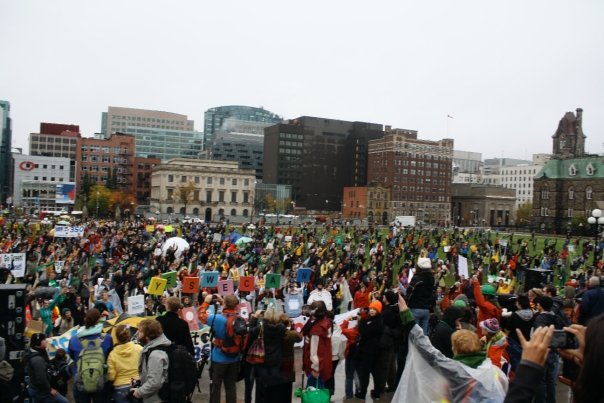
(123, 319)
(63, 222)
(243, 240)
(175, 242)
(65, 216)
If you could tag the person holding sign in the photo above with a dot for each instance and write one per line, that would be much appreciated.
(176, 329)
(320, 294)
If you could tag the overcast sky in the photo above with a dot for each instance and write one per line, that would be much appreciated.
(506, 71)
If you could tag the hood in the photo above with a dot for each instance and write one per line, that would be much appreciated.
(160, 341)
(463, 297)
(525, 314)
(125, 351)
(472, 360)
(31, 352)
(89, 331)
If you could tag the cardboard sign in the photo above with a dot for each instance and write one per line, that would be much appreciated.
(571, 248)
(190, 285)
(225, 287)
(209, 279)
(246, 283)
(171, 277)
(462, 267)
(244, 310)
(190, 316)
(136, 304)
(157, 286)
(15, 262)
(272, 281)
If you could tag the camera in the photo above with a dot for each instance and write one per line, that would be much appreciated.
(563, 340)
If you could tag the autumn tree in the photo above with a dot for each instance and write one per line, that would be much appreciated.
(524, 214)
(185, 194)
(99, 200)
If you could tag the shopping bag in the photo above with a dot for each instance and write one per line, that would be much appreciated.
(255, 354)
(313, 394)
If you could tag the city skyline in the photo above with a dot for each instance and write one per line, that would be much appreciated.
(505, 77)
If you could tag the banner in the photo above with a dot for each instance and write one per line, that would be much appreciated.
(190, 316)
(15, 262)
(201, 342)
(65, 193)
(63, 231)
(62, 341)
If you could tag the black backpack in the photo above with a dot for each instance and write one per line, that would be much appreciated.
(182, 374)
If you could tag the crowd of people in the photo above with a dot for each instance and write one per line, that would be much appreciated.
(389, 304)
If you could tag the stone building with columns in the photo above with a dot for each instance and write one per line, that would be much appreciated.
(475, 205)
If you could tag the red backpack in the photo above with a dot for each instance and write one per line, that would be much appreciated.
(236, 336)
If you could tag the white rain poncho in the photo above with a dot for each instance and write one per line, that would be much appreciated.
(429, 376)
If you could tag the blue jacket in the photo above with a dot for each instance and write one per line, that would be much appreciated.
(75, 345)
(218, 323)
(592, 304)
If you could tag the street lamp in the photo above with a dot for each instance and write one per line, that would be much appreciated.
(596, 220)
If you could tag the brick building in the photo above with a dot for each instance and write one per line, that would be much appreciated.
(571, 183)
(418, 172)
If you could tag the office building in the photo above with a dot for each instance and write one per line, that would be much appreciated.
(318, 157)
(56, 140)
(520, 178)
(571, 184)
(245, 148)
(236, 119)
(210, 190)
(466, 162)
(418, 172)
(6, 138)
(36, 180)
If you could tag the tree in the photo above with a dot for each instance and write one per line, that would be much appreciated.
(99, 200)
(524, 214)
(270, 204)
(184, 194)
(283, 205)
(123, 200)
(112, 180)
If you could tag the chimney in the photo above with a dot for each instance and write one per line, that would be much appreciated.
(579, 113)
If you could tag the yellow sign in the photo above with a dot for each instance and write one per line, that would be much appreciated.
(157, 286)
(150, 228)
(168, 228)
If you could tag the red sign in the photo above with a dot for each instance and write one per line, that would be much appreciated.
(26, 166)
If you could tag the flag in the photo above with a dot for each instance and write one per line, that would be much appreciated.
(450, 117)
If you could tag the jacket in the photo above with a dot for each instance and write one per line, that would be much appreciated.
(592, 304)
(521, 319)
(154, 370)
(420, 293)
(177, 330)
(273, 336)
(316, 354)
(486, 309)
(321, 295)
(75, 344)
(122, 363)
(441, 337)
(370, 333)
(218, 323)
(36, 366)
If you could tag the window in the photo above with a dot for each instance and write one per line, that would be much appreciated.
(209, 181)
(222, 181)
(246, 182)
(208, 196)
(571, 193)
(233, 212)
(170, 193)
(544, 193)
(197, 179)
(572, 170)
(569, 213)
(589, 170)
(233, 197)
(196, 195)
(234, 182)
(245, 213)
(589, 194)
(221, 196)
(170, 178)
(183, 179)
(246, 197)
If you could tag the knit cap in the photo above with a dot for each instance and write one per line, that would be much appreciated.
(490, 325)
(377, 305)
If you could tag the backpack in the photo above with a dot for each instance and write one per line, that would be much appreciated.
(236, 336)
(182, 374)
(91, 366)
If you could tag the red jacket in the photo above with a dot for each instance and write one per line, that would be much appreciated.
(322, 329)
(351, 334)
(486, 309)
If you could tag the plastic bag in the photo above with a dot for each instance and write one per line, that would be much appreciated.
(486, 383)
(313, 394)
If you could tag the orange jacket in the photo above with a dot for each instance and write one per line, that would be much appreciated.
(486, 309)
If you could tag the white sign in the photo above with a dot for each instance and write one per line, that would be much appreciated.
(571, 248)
(136, 304)
(217, 238)
(503, 242)
(63, 231)
(15, 262)
(462, 267)
(59, 266)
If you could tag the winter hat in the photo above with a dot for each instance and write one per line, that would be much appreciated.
(424, 263)
(488, 289)
(37, 339)
(490, 325)
(65, 310)
(460, 303)
(545, 302)
(377, 305)
(391, 296)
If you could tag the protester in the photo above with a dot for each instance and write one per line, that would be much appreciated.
(421, 293)
(153, 362)
(122, 364)
(64, 322)
(441, 337)
(175, 328)
(368, 352)
(592, 301)
(37, 364)
(521, 319)
(316, 355)
(495, 343)
(545, 318)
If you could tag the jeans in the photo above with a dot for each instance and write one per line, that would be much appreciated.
(224, 373)
(546, 393)
(98, 397)
(351, 378)
(41, 397)
(120, 394)
(422, 317)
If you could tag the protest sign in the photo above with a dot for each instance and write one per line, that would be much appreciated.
(209, 279)
(15, 262)
(63, 231)
(225, 287)
(272, 281)
(171, 277)
(246, 283)
(168, 228)
(62, 341)
(190, 285)
(59, 266)
(303, 275)
(201, 342)
(299, 323)
(157, 286)
(190, 316)
(462, 267)
(217, 238)
(150, 228)
(136, 304)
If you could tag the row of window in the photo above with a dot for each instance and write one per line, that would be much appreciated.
(143, 119)
(172, 195)
(96, 168)
(105, 149)
(209, 180)
(104, 158)
(47, 178)
(196, 211)
(53, 139)
(589, 194)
